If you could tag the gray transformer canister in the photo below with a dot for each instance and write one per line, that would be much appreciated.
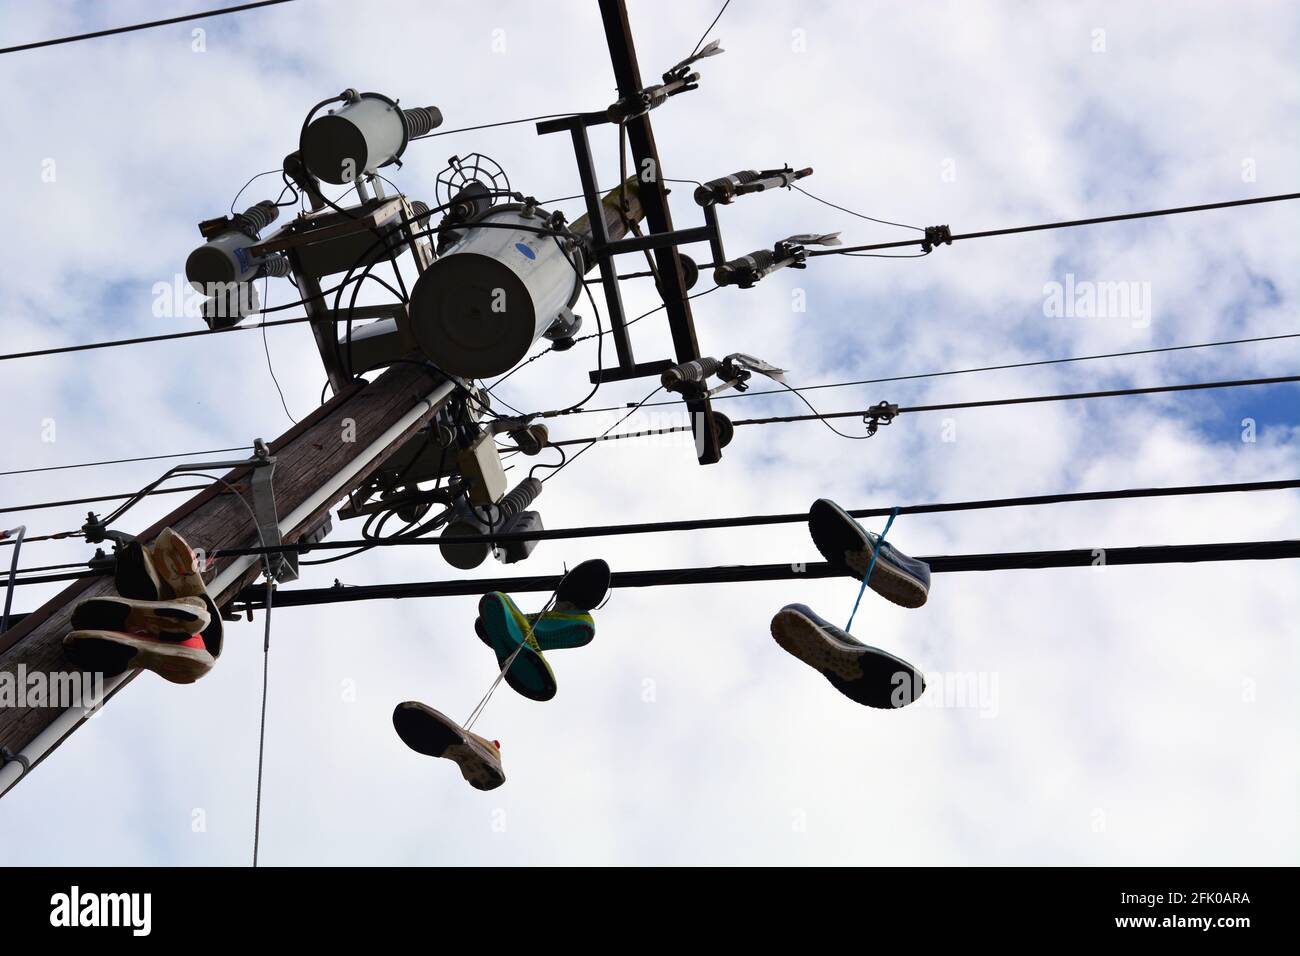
(365, 134)
(482, 304)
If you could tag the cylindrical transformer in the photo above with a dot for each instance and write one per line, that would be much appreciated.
(225, 258)
(361, 136)
(479, 308)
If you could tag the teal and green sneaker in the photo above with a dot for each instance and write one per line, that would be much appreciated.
(505, 629)
(861, 673)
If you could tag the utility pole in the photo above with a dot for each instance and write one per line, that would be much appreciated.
(327, 455)
(654, 199)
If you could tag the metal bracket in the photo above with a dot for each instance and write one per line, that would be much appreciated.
(280, 566)
(881, 413)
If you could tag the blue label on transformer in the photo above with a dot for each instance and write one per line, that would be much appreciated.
(525, 250)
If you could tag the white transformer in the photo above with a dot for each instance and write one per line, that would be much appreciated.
(477, 310)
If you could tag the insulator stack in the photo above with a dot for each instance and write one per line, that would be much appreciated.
(421, 120)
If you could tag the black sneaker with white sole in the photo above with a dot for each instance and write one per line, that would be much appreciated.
(428, 732)
(848, 546)
(861, 673)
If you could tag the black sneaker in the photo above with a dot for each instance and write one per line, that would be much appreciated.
(861, 673)
(584, 587)
(848, 546)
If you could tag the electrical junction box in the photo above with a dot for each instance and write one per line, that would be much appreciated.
(377, 343)
(510, 552)
(480, 466)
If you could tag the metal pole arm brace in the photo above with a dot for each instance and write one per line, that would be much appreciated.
(278, 566)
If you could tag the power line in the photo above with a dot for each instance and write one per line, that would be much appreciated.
(142, 339)
(753, 392)
(965, 371)
(883, 222)
(750, 521)
(100, 498)
(706, 33)
(249, 598)
(1015, 230)
(815, 252)
(986, 403)
(513, 122)
(139, 26)
(783, 419)
(123, 461)
(780, 419)
(740, 521)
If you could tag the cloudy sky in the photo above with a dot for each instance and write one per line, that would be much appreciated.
(1128, 715)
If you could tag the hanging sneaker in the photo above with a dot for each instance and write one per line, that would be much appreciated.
(177, 565)
(181, 573)
(584, 587)
(428, 732)
(187, 615)
(135, 576)
(112, 652)
(861, 673)
(553, 630)
(848, 546)
(507, 628)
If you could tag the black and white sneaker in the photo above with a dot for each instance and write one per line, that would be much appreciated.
(429, 732)
(848, 546)
(860, 672)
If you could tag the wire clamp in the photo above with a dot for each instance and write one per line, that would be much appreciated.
(936, 236)
(882, 413)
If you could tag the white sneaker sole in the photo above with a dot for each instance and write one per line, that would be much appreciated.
(180, 665)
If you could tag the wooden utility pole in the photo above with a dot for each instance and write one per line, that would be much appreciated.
(324, 457)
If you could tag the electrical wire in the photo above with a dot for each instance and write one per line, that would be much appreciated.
(140, 26)
(826, 202)
(615, 408)
(466, 129)
(599, 437)
(122, 461)
(950, 406)
(38, 506)
(261, 733)
(795, 571)
(271, 368)
(726, 4)
(143, 339)
(1066, 224)
(966, 371)
(814, 252)
(351, 547)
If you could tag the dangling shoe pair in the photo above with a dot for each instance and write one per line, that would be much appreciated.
(860, 672)
(504, 628)
(161, 619)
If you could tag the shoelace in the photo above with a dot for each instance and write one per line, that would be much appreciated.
(875, 551)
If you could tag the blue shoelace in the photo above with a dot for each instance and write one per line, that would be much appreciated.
(867, 577)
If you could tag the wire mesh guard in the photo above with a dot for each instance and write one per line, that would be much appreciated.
(474, 168)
